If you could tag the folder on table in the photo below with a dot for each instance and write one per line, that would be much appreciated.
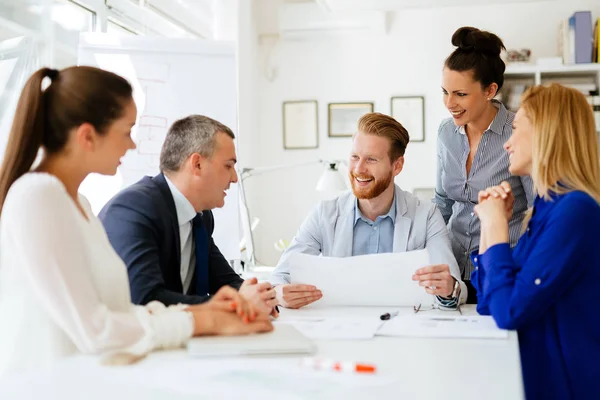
(284, 339)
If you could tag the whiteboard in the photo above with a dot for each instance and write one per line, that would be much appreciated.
(171, 79)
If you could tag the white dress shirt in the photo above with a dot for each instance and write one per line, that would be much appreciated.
(185, 214)
(63, 289)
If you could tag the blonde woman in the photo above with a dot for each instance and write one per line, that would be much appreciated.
(63, 289)
(546, 288)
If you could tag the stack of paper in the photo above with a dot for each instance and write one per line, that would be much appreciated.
(441, 326)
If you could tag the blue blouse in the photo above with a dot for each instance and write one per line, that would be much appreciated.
(547, 290)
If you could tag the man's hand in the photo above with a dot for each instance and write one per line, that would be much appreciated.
(436, 279)
(296, 296)
(261, 295)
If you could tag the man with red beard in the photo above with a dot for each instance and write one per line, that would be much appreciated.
(376, 217)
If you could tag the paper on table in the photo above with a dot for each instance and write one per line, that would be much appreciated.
(370, 280)
(441, 326)
(337, 328)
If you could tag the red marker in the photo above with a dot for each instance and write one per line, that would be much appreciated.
(341, 366)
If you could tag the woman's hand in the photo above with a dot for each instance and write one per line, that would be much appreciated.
(494, 211)
(502, 192)
(228, 313)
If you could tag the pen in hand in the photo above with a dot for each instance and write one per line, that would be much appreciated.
(386, 316)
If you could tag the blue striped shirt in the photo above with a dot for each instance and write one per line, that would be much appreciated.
(456, 193)
(373, 237)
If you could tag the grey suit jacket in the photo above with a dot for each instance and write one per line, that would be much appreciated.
(329, 230)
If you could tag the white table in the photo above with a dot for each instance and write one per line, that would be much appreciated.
(407, 368)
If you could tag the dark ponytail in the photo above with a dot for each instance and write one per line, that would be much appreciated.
(26, 134)
(478, 51)
(45, 117)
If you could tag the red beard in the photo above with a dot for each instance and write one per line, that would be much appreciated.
(373, 190)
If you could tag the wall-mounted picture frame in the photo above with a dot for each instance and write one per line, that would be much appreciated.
(343, 117)
(410, 112)
(300, 124)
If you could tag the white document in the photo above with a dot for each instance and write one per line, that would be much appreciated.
(441, 326)
(337, 328)
(370, 280)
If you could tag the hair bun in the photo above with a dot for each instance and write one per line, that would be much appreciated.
(51, 73)
(469, 39)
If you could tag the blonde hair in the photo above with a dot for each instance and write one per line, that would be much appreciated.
(565, 142)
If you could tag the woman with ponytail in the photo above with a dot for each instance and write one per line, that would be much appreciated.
(63, 289)
(470, 152)
(546, 287)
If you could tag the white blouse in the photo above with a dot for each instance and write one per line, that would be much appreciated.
(63, 289)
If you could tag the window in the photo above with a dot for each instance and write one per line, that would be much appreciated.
(115, 27)
(70, 15)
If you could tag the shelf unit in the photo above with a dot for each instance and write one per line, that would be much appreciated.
(586, 77)
(542, 74)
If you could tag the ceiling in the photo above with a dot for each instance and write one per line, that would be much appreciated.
(391, 5)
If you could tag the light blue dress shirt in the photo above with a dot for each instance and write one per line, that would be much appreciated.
(185, 215)
(373, 237)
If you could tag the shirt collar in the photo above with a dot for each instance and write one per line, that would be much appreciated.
(497, 125)
(359, 215)
(185, 209)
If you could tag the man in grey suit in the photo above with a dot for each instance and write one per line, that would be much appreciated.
(376, 217)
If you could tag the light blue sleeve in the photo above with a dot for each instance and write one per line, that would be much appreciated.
(308, 240)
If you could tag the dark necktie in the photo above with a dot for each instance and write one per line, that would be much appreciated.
(201, 241)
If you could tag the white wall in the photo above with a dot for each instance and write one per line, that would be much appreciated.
(247, 42)
(248, 64)
(406, 61)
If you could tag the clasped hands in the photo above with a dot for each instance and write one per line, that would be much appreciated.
(495, 204)
(232, 312)
(229, 313)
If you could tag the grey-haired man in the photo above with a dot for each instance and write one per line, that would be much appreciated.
(162, 226)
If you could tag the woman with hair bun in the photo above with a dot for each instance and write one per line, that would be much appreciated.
(470, 143)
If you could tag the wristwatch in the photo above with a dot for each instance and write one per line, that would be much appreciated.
(455, 292)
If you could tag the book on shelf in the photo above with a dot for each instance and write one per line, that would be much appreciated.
(596, 45)
(576, 38)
